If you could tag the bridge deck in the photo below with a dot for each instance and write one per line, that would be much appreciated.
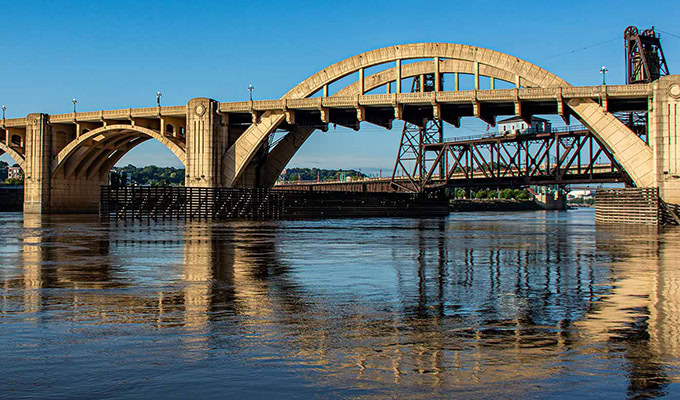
(619, 97)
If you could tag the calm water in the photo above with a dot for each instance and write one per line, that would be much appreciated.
(530, 305)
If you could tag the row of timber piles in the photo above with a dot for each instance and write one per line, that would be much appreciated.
(260, 204)
(634, 206)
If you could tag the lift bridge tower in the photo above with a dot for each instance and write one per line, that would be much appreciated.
(645, 63)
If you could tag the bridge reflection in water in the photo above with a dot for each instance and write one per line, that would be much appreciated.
(480, 304)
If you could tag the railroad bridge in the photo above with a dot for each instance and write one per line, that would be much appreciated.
(67, 157)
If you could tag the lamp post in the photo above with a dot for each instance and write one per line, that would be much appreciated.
(3, 111)
(603, 71)
(74, 101)
(250, 90)
(158, 98)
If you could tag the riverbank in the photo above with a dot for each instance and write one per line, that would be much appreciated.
(463, 205)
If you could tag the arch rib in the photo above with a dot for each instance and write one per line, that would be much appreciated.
(239, 155)
(634, 155)
(16, 156)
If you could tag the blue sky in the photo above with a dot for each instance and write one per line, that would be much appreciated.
(118, 54)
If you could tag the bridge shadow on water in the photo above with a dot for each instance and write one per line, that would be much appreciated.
(528, 304)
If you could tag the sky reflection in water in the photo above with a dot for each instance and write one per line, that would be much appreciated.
(474, 305)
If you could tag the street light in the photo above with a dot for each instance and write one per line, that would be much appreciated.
(158, 98)
(74, 101)
(603, 71)
(250, 89)
(3, 111)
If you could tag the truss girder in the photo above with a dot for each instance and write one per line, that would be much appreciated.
(544, 158)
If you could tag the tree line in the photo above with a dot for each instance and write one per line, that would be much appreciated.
(323, 175)
(169, 176)
(150, 175)
(507, 194)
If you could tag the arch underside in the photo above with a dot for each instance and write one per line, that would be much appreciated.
(454, 58)
(93, 154)
(15, 155)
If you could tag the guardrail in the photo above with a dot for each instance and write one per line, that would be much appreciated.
(530, 131)
(612, 91)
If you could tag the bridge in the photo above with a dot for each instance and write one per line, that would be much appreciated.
(67, 157)
(558, 156)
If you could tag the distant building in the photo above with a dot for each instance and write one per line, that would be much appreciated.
(585, 194)
(518, 125)
(14, 173)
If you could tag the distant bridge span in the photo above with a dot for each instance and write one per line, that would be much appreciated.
(67, 157)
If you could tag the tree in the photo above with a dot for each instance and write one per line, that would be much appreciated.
(507, 193)
(312, 174)
(3, 170)
(149, 175)
(524, 195)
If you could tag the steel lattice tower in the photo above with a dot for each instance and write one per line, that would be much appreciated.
(411, 160)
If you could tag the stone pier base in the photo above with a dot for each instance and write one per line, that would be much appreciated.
(633, 206)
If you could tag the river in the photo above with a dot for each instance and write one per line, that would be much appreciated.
(475, 305)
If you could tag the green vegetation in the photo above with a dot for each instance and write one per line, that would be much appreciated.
(150, 175)
(311, 174)
(3, 171)
(507, 194)
(168, 176)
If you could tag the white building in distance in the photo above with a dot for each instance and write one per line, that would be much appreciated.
(518, 125)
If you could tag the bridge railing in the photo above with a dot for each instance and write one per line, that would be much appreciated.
(526, 132)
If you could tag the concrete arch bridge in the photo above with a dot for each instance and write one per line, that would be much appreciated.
(66, 157)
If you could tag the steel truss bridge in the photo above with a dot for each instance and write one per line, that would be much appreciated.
(561, 156)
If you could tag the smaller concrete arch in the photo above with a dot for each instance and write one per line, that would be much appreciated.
(15, 155)
(96, 148)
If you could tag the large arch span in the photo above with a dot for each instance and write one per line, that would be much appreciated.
(284, 151)
(482, 62)
(95, 152)
(632, 153)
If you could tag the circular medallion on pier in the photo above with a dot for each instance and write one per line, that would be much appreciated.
(200, 110)
(674, 91)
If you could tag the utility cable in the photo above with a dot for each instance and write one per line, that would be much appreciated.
(668, 33)
(580, 49)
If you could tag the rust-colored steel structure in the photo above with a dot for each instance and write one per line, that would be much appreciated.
(645, 61)
(560, 156)
(411, 156)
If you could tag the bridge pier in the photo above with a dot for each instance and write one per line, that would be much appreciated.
(664, 133)
(206, 139)
(37, 173)
(46, 192)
